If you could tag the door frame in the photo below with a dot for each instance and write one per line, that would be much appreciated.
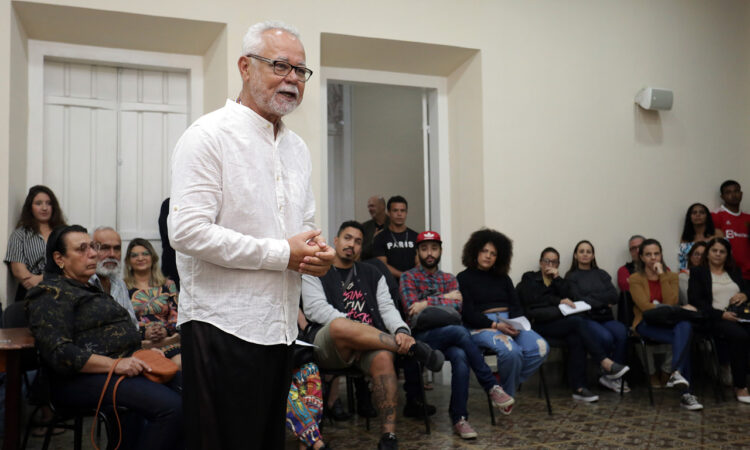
(87, 54)
(437, 150)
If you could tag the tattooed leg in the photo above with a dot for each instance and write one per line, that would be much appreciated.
(350, 337)
(385, 390)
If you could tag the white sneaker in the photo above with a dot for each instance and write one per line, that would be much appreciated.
(690, 402)
(613, 384)
(677, 380)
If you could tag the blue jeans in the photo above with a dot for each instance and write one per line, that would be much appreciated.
(455, 342)
(158, 407)
(612, 336)
(678, 336)
(517, 357)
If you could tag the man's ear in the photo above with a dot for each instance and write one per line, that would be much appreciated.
(58, 257)
(243, 64)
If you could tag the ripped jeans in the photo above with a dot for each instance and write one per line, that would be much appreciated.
(517, 357)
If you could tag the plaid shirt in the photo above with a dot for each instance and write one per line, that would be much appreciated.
(417, 285)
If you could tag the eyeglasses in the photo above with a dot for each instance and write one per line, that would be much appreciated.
(144, 254)
(282, 68)
(106, 248)
(84, 248)
(550, 262)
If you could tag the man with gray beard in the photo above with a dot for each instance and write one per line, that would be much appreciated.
(108, 276)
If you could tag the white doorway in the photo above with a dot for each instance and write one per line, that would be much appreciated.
(379, 144)
(101, 133)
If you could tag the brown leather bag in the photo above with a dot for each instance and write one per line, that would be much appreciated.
(162, 371)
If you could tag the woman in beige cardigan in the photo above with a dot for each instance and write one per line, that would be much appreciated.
(653, 285)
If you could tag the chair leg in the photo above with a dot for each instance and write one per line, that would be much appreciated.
(78, 433)
(492, 410)
(29, 426)
(647, 371)
(350, 394)
(424, 401)
(48, 433)
(714, 356)
(543, 387)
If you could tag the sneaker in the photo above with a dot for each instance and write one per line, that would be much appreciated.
(337, 411)
(507, 410)
(499, 398)
(616, 371)
(690, 402)
(678, 381)
(388, 441)
(431, 359)
(415, 408)
(614, 384)
(584, 394)
(463, 429)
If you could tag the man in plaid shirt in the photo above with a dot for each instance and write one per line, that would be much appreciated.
(425, 286)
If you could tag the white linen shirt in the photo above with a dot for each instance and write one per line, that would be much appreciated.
(237, 194)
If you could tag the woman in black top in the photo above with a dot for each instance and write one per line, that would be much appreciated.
(717, 289)
(80, 332)
(488, 298)
(541, 295)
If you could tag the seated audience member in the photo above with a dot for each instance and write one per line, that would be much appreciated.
(488, 297)
(593, 285)
(304, 406)
(361, 326)
(699, 227)
(653, 285)
(378, 222)
(40, 214)
(395, 245)
(426, 286)
(154, 299)
(108, 276)
(718, 290)
(694, 259)
(80, 332)
(735, 224)
(624, 272)
(541, 294)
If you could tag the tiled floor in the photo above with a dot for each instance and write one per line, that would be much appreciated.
(612, 422)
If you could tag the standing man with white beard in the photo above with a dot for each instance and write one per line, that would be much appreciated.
(241, 220)
(108, 276)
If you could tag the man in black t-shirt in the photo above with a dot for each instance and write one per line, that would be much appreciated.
(396, 245)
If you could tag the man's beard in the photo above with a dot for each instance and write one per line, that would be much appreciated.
(277, 103)
(429, 266)
(104, 271)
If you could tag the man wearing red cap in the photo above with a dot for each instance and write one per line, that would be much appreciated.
(426, 286)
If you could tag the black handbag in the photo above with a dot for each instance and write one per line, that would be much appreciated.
(435, 317)
(742, 310)
(669, 315)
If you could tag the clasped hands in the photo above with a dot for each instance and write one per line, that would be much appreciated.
(309, 254)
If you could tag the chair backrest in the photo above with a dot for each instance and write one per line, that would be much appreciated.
(625, 309)
(14, 316)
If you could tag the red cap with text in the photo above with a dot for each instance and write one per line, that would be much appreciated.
(427, 236)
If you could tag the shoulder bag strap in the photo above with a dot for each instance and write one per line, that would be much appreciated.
(114, 405)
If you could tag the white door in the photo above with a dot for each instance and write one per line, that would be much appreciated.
(108, 135)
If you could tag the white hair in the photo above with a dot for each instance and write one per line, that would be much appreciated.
(104, 228)
(253, 40)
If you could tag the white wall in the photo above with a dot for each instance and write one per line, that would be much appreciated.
(559, 150)
(387, 148)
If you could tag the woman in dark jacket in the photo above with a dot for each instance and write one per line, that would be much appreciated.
(80, 332)
(541, 294)
(594, 286)
(717, 289)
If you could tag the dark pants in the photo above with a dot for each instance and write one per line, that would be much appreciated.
(154, 418)
(737, 337)
(579, 339)
(455, 342)
(235, 392)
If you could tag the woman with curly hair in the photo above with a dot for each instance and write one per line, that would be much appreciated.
(488, 297)
(154, 299)
(40, 214)
(699, 227)
(594, 286)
